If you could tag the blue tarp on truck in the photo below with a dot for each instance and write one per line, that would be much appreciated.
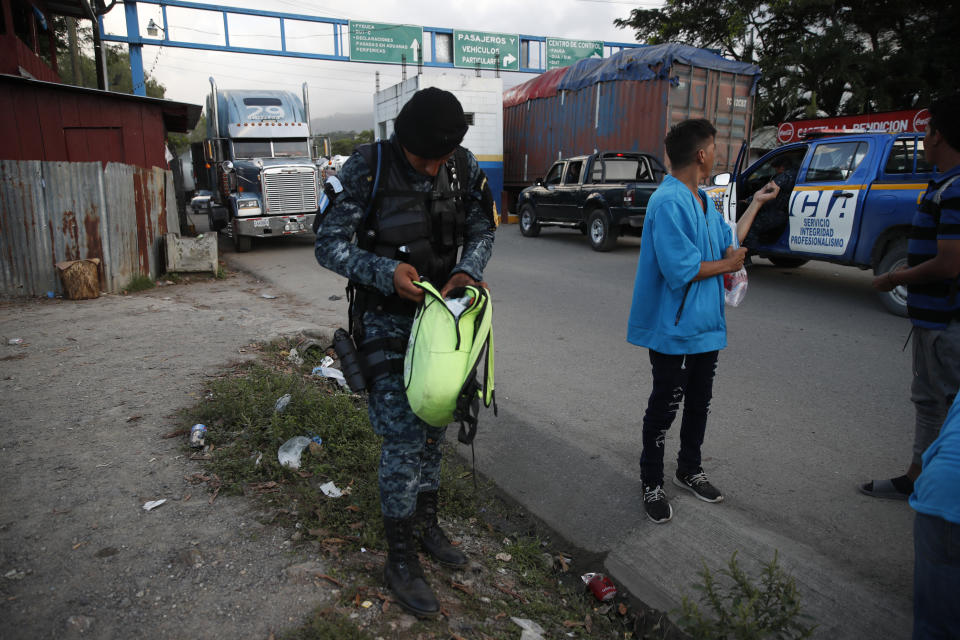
(649, 63)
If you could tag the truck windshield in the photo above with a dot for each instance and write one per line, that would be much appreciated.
(290, 149)
(252, 149)
(271, 148)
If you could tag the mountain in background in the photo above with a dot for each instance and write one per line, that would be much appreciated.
(342, 122)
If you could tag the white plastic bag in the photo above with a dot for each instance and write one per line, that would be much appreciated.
(289, 453)
(735, 284)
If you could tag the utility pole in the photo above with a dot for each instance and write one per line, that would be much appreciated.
(74, 50)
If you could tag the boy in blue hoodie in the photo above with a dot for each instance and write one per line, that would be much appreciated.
(677, 310)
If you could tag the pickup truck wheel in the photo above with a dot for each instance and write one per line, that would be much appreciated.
(787, 263)
(600, 231)
(529, 226)
(894, 258)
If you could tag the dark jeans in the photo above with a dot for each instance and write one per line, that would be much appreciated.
(688, 379)
(936, 578)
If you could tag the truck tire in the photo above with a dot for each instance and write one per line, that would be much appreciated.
(216, 222)
(602, 235)
(894, 257)
(787, 263)
(242, 244)
(214, 225)
(529, 226)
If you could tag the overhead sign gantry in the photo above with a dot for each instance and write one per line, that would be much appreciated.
(361, 41)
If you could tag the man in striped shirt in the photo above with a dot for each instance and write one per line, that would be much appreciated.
(932, 277)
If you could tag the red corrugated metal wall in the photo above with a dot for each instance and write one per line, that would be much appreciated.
(48, 123)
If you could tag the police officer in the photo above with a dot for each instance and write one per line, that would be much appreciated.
(419, 207)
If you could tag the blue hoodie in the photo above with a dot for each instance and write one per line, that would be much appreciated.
(677, 237)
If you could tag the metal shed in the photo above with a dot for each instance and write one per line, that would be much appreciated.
(83, 174)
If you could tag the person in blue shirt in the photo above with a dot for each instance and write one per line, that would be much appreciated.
(932, 278)
(677, 310)
(936, 536)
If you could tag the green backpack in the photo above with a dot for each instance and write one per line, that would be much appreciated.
(443, 355)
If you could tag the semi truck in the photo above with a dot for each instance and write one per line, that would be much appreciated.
(257, 164)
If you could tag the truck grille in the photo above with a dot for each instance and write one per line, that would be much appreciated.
(290, 190)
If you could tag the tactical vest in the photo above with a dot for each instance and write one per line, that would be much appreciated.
(424, 229)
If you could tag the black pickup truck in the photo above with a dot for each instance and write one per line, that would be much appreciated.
(603, 195)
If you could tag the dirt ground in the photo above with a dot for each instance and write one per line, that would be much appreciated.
(86, 399)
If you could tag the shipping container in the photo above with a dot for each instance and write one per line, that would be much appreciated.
(626, 102)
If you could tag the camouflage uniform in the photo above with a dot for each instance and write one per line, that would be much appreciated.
(410, 456)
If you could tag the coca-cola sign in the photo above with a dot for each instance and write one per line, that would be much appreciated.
(913, 121)
(785, 132)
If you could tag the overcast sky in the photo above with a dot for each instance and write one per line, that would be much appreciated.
(342, 87)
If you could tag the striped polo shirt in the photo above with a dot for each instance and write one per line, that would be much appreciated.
(932, 305)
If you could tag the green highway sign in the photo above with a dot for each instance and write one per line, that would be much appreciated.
(381, 42)
(472, 48)
(562, 53)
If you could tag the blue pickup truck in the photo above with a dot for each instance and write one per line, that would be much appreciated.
(852, 203)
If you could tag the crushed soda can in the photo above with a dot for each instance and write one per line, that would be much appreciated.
(326, 362)
(197, 434)
(600, 586)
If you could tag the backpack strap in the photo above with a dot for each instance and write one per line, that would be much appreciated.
(937, 197)
(468, 400)
(373, 156)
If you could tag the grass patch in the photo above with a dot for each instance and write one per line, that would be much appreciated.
(326, 625)
(139, 282)
(737, 605)
(531, 579)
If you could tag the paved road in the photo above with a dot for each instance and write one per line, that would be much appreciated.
(811, 398)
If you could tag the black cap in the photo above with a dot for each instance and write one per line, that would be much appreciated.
(431, 124)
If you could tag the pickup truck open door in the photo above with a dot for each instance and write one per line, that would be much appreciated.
(729, 202)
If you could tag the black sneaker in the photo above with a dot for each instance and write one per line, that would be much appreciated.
(698, 485)
(656, 505)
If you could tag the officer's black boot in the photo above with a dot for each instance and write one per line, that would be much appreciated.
(432, 537)
(403, 572)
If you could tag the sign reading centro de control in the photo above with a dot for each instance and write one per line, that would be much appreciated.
(381, 42)
(472, 48)
(563, 53)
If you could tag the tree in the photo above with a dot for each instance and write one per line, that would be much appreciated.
(180, 142)
(820, 55)
(343, 143)
(119, 77)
